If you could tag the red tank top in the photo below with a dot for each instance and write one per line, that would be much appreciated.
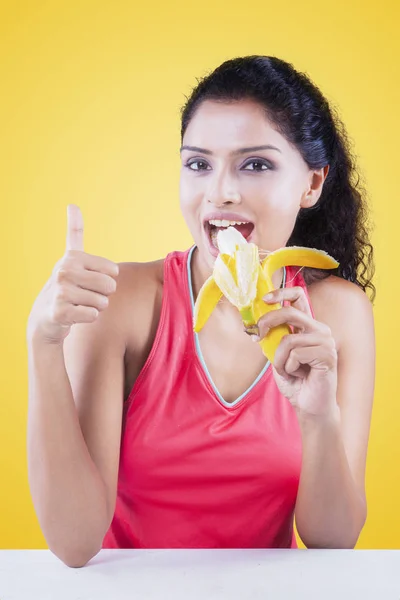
(195, 471)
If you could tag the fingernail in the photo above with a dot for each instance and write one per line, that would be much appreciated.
(268, 297)
(255, 338)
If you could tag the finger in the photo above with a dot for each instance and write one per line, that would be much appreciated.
(74, 228)
(290, 316)
(94, 263)
(68, 314)
(298, 340)
(295, 295)
(283, 377)
(88, 280)
(320, 358)
(70, 294)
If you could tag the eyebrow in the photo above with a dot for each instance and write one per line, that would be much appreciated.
(239, 151)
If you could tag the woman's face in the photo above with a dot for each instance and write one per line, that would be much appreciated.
(237, 169)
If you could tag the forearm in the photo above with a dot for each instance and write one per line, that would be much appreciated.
(68, 492)
(330, 509)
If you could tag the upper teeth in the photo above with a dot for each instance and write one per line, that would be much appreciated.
(225, 223)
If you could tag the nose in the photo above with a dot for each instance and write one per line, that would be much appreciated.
(223, 190)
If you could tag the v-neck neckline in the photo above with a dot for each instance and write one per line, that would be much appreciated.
(199, 352)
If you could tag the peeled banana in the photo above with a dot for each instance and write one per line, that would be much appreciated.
(240, 276)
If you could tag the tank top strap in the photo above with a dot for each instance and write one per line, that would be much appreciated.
(294, 278)
(177, 296)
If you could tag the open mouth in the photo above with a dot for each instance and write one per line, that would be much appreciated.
(213, 226)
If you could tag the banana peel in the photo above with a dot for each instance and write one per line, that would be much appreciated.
(239, 275)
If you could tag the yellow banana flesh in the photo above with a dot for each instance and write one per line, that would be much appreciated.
(244, 281)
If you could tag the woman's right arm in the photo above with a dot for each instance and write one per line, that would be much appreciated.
(76, 378)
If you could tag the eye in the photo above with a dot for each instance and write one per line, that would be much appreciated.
(197, 165)
(257, 165)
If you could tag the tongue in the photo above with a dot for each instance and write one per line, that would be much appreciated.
(245, 229)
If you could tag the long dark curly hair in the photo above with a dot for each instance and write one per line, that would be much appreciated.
(338, 223)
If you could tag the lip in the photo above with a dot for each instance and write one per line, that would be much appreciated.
(228, 216)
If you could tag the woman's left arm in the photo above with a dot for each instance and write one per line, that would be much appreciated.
(327, 369)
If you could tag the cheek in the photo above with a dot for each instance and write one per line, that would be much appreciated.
(280, 196)
(190, 200)
(185, 192)
(277, 207)
(287, 191)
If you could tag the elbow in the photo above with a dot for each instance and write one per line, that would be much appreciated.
(77, 547)
(75, 558)
(333, 534)
(76, 562)
(331, 540)
(338, 538)
(340, 544)
(75, 553)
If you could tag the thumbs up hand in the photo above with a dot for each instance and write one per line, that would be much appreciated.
(77, 291)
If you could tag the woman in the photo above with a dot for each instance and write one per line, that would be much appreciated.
(142, 434)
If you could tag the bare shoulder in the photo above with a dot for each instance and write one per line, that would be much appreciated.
(138, 296)
(139, 279)
(342, 305)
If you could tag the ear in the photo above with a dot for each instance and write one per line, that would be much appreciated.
(314, 191)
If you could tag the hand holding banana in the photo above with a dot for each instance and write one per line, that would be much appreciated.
(245, 281)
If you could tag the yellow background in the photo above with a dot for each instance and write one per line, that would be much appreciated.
(90, 100)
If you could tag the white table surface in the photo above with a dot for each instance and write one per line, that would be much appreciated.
(204, 574)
